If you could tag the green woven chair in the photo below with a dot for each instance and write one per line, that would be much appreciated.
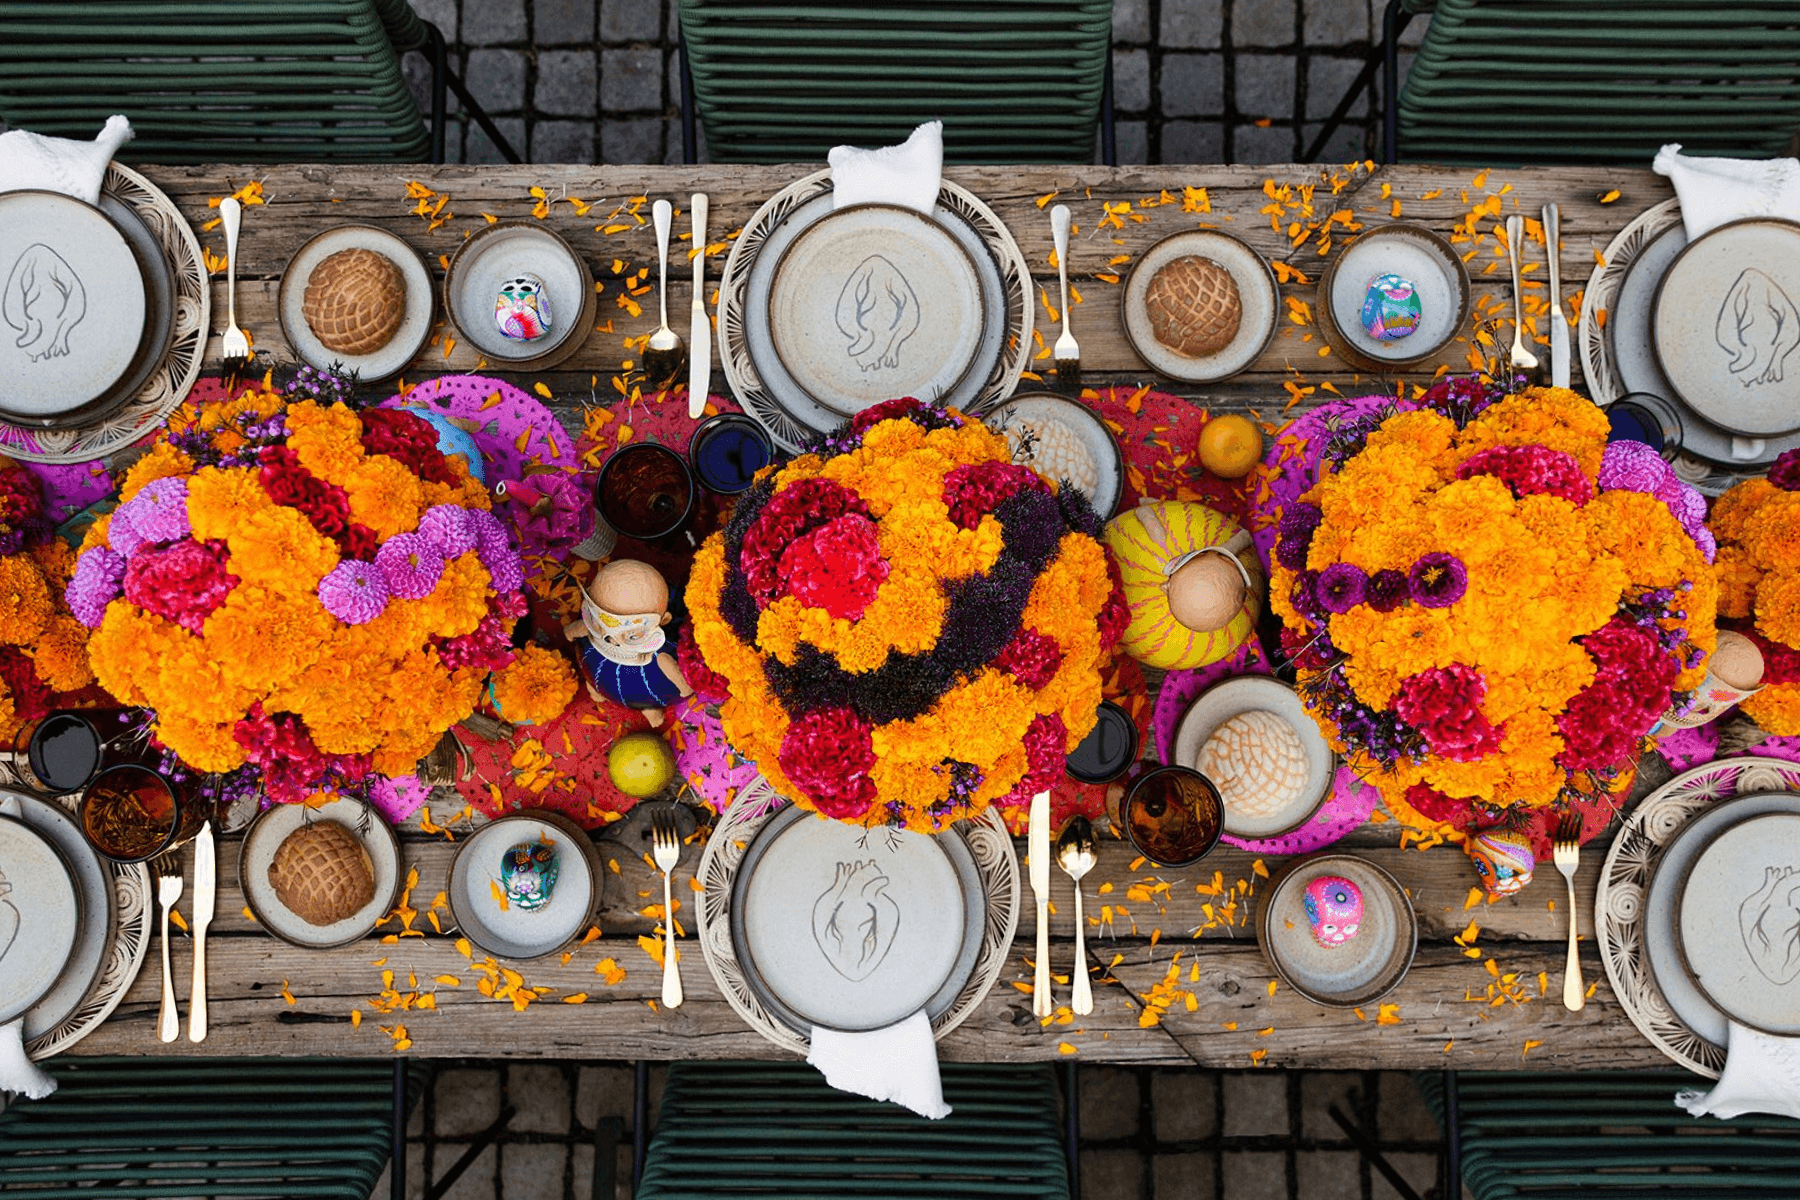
(230, 80)
(219, 1128)
(1013, 80)
(1606, 1136)
(777, 1129)
(1521, 81)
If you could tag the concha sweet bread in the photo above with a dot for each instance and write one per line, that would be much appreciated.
(355, 301)
(1194, 306)
(1049, 447)
(1258, 763)
(322, 873)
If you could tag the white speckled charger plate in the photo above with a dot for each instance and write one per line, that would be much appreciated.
(415, 325)
(272, 828)
(514, 932)
(1250, 693)
(40, 916)
(1361, 971)
(1258, 296)
(1737, 921)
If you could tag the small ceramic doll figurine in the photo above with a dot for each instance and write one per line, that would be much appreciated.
(1503, 860)
(1734, 673)
(1193, 598)
(622, 618)
(1334, 910)
(522, 309)
(528, 874)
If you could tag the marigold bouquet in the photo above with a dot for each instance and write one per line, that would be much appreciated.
(299, 590)
(1488, 606)
(43, 650)
(1757, 523)
(904, 626)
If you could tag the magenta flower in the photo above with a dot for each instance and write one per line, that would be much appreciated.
(99, 578)
(1438, 580)
(158, 513)
(447, 527)
(1387, 590)
(354, 592)
(1785, 474)
(122, 535)
(496, 551)
(1341, 587)
(410, 566)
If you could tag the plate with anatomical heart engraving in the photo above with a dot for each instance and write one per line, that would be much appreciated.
(850, 928)
(1738, 923)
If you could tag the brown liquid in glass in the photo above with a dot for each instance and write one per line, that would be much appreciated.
(129, 817)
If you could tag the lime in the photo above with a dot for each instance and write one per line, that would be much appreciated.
(640, 764)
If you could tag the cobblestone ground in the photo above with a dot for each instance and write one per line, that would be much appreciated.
(1200, 81)
(1147, 1134)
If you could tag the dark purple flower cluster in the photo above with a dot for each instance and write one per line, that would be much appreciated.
(1462, 398)
(1383, 735)
(850, 435)
(1785, 474)
(1345, 436)
(1295, 533)
(1341, 587)
(1438, 579)
(1650, 607)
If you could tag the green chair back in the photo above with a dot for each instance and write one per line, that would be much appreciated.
(1518, 81)
(219, 1128)
(777, 1129)
(218, 80)
(1609, 1136)
(1013, 80)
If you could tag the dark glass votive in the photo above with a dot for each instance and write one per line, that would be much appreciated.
(1108, 750)
(1174, 816)
(727, 451)
(1647, 418)
(64, 751)
(645, 491)
(131, 814)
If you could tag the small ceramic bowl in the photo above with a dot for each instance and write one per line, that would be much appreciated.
(272, 828)
(1173, 816)
(1259, 299)
(1088, 430)
(502, 252)
(509, 931)
(1252, 693)
(415, 323)
(1358, 972)
(1418, 255)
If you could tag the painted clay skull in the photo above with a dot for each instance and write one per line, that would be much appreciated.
(1334, 910)
(528, 874)
(522, 309)
(1503, 860)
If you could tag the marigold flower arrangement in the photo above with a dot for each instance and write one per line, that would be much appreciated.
(43, 649)
(1488, 606)
(301, 592)
(905, 627)
(1757, 523)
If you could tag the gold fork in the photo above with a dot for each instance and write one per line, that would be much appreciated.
(1566, 850)
(167, 869)
(235, 352)
(665, 841)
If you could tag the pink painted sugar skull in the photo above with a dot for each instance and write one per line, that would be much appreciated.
(522, 309)
(1334, 910)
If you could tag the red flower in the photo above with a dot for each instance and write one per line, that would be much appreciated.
(408, 438)
(1031, 657)
(183, 581)
(1459, 813)
(1116, 614)
(829, 753)
(326, 506)
(292, 763)
(488, 647)
(1046, 759)
(1444, 705)
(837, 566)
(974, 489)
(790, 513)
(30, 695)
(1607, 719)
(1532, 471)
(707, 683)
(868, 418)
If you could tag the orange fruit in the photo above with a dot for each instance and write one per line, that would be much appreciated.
(1230, 446)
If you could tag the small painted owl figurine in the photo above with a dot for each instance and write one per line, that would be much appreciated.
(522, 309)
(1503, 860)
(528, 874)
(1334, 910)
(1391, 308)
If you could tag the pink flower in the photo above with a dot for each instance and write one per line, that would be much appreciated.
(975, 489)
(447, 527)
(1031, 657)
(354, 592)
(158, 513)
(1444, 705)
(410, 566)
(184, 582)
(99, 577)
(829, 753)
(1532, 471)
(837, 567)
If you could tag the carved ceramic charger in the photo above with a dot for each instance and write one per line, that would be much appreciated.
(506, 930)
(1634, 907)
(1738, 920)
(1258, 297)
(1259, 693)
(415, 321)
(875, 302)
(264, 838)
(40, 916)
(807, 922)
(1726, 327)
(94, 935)
(74, 310)
(507, 251)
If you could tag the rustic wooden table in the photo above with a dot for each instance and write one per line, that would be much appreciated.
(1493, 1002)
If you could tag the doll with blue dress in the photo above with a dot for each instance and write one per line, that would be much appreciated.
(623, 654)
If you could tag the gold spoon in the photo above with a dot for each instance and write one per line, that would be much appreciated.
(665, 352)
(1075, 855)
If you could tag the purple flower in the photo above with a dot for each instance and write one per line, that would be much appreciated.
(354, 592)
(1305, 597)
(1298, 522)
(1387, 590)
(448, 528)
(99, 577)
(122, 535)
(1438, 580)
(496, 551)
(1631, 466)
(1340, 587)
(1785, 474)
(410, 566)
(158, 513)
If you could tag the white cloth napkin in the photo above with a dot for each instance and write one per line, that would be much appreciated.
(53, 164)
(898, 1063)
(908, 175)
(1716, 190)
(1761, 1075)
(17, 1072)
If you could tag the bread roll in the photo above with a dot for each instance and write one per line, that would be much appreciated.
(1194, 306)
(322, 873)
(355, 301)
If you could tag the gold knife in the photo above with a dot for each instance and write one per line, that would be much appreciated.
(1037, 844)
(700, 335)
(206, 882)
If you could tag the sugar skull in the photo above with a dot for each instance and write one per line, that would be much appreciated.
(522, 309)
(1334, 910)
(1391, 308)
(1503, 860)
(528, 874)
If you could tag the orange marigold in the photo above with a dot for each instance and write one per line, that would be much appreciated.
(536, 688)
(384, 495)
(60, 655)
(25, 603)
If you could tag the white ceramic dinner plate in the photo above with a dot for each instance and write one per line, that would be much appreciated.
(505, 251)
(1258, 297)
(851, 928)
(1362, 970)
(514, 932)
(1418, 255)
(272, 828)
(74, 308)
(415, 326)
(94, 939)
(873, 302)
(1738, 922)
(40, 916)
(1251, 693)
(1726, 326)
(1089, 431)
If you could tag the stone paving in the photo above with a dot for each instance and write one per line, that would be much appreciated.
(1198, 81)
(1147, 1134)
